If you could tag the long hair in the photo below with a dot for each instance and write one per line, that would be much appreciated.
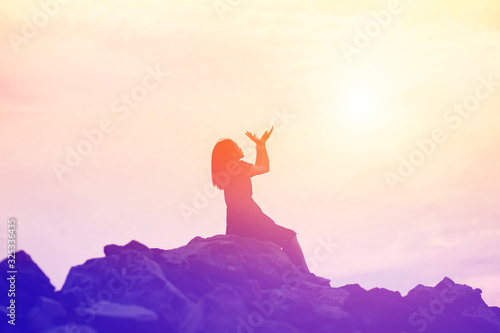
(224, 152)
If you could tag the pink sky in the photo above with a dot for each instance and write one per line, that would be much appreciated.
(340, 126)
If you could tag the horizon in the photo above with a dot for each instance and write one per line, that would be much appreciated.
(384, 155)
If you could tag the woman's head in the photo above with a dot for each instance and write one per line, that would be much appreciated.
(224, 152)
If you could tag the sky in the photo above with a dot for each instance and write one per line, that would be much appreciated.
(384, 156)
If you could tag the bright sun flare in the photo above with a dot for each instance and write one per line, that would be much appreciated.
(361, 109)
(361, 106)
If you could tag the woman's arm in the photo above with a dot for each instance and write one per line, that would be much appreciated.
(262, 160)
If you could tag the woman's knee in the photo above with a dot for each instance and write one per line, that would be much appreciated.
(290, 243)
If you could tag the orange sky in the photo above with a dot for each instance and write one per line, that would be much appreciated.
(342, 125)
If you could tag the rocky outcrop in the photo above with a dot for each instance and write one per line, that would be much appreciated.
(229, 284)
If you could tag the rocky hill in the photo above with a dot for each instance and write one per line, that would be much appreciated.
(227, 284)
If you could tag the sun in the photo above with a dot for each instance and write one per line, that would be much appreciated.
(364, 110)
(360, 107)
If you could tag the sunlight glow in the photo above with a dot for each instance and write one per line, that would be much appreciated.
(361, 107)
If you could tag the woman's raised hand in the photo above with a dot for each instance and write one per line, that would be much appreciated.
(263, 139)
(266, 135)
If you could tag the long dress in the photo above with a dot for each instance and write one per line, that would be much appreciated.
(244, 216)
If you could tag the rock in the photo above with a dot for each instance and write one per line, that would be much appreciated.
(46, 313)
(111, 317)
(227, 283)
(30, 281)
(30, 284)
(70, 328)
(217, 310)
(496, 310)
(450, 306)
(128, 276)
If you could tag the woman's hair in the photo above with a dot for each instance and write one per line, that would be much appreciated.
(224, 152)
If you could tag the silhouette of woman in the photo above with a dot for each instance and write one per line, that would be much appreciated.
(244, 217)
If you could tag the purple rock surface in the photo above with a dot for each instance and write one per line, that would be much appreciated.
(227, 283)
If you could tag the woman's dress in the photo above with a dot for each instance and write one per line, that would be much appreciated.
(244, 216)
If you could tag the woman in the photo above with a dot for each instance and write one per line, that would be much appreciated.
(244, 216)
